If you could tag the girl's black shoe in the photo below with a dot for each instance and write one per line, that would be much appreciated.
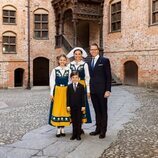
(63, 134)
(58, 135)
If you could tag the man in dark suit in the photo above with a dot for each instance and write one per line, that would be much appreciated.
(75, 104)
(100, 88)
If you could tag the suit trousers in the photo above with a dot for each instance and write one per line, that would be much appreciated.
(101, 113)
(76, 116)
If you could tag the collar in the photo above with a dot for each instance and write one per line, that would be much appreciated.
(62, 68)
(75, 83)
(96, 57)
(77, 63)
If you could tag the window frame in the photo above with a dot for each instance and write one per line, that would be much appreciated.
(9, 44)
(152, 12)
(115, 12)
(41, 30)
(9, 16)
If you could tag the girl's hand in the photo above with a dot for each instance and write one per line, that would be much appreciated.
(52, 98)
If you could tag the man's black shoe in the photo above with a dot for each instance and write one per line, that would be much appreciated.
(78, 138)
(94, 133)
(101, 136)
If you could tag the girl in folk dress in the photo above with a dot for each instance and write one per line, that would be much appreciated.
(79, 65)
(59, 79)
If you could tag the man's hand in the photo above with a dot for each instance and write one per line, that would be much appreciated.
(83, 109)
(107, 94)
(68, 109)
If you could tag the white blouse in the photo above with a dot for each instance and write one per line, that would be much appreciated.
(53, 77)
(86, 70)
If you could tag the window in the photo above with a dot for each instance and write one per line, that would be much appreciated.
(41, 26)
(9, 43)
(154, 11)
(115, 17)
(9, 15)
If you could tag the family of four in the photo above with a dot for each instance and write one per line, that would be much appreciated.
(71, 85)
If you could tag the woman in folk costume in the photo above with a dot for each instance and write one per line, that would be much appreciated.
(79, 65)
(59, 79)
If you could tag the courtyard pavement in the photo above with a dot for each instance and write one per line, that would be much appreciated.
(22, 111)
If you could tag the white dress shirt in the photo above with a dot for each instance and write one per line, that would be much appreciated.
(95, 59)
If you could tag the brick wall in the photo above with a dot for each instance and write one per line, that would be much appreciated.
(137, 41)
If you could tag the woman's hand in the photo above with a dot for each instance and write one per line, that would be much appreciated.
(68, 109)
(83, 109)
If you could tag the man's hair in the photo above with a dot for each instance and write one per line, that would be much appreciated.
(95, 44)
(74, 73)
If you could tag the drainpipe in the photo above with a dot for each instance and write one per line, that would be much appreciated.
(28, 28)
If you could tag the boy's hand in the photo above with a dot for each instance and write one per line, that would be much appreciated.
(83, 109)
(88, 95)
(68, 109)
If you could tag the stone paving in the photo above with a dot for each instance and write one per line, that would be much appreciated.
(121, 141)
(139, 138)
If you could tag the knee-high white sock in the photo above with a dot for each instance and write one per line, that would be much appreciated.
(62, 130)
(58, 130)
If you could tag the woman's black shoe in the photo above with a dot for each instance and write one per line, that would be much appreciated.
(82, 131)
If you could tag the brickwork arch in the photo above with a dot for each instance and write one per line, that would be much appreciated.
(130, 73)
(18, 77)
(41, 71)
(9, 7)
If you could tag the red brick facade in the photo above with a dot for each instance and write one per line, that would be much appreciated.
(137, 41)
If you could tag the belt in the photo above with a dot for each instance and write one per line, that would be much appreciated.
(61, 85)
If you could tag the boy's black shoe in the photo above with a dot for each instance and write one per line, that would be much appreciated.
(72, 138)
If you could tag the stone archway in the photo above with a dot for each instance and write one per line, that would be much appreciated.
(18, 77)
(130, 73)
(40, 71)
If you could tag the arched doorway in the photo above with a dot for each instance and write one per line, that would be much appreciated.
(18, 77)
(41, 71)
(130, 73)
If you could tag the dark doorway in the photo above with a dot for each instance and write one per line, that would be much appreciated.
(18, 77)
(40, 72)
(83, 34)
(131, 73)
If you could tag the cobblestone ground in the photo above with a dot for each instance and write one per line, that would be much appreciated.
(21, 111)
(139, 138)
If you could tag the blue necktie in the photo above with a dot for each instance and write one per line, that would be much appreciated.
(92, 63)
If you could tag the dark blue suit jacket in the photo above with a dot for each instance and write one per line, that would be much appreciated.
(100, 76)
